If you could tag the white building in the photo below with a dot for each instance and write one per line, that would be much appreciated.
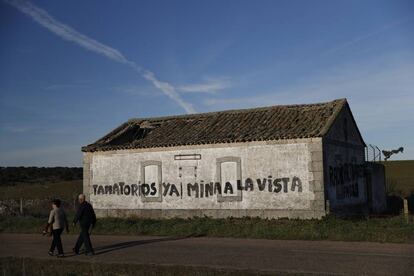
(296, 161)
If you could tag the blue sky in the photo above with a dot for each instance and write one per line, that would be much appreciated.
(70, 71)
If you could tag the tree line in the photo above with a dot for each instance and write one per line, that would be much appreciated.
(17, 175)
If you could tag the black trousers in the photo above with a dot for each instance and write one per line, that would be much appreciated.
(84, 238)
(57, 242)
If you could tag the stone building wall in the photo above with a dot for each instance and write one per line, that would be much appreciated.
(269, 179)
(344, 163)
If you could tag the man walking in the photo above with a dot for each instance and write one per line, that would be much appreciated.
(87, 219)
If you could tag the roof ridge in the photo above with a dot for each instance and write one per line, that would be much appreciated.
(334, 115)
(233, 111)
(276, 122)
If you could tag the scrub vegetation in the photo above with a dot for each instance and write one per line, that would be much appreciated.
(400, 181)
(385, 229)
(40, 183)
(399, 177)
(11, 176)
(27, 266)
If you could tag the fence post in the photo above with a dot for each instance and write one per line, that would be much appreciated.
(327, 207)
(405, 209)
(21, 206)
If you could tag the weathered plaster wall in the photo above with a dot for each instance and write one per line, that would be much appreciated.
(344, 161)
(376, 176)
(266, 179)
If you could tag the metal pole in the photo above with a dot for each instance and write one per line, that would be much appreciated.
(366, 153)
(379, 153)
(373, 150)
(406, 210)
(21, 206)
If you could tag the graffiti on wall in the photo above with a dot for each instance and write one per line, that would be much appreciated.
(202, 189)
(344, 177)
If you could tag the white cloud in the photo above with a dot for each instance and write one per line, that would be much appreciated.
(361, 38)
(208, 86)
(68, 33)
(137, 90)
(380, 91)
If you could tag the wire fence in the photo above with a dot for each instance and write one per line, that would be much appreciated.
(33, 207)
(373, 153)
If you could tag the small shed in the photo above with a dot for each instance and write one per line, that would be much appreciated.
(295, 161)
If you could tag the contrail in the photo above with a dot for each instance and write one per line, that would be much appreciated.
(68, 33)
(367, 36)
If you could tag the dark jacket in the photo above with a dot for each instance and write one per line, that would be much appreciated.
(85, 215)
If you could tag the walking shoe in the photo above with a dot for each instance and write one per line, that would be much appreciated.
(89, 254)
(60, 255)
(50, 253)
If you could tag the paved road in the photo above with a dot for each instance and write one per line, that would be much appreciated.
(314, 257)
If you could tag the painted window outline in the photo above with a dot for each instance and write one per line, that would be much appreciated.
(219, 161)
(159, 171)
(193, 156)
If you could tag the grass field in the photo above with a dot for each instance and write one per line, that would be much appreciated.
(27, 266)
(388, 229)
(400, 177)
(64, 189)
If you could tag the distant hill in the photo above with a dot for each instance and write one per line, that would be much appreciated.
(10, 176)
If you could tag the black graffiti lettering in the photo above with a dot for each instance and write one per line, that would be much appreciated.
(191, 187)
(201, 189)
(248, 184)
(228, 187)
(239, 185)
(174, 190)
(285, 181)
(134, 189)
(356, 191)
(116, 189)
(127, 190)
(345, 179)
(121, 185)
(269, 183)
(108, 189)
(217, 188)
(209, 189)
(277, 184)
(165, 188)
(139, 188)
(296, 182)
(94, 189)
(260, 184)
(145, 189)
(153, 189)
(101, 190)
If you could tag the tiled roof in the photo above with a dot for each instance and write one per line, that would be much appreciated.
(256, 124)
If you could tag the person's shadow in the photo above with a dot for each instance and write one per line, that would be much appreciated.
(119, 246)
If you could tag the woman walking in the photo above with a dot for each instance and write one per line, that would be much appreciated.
(57, 222)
